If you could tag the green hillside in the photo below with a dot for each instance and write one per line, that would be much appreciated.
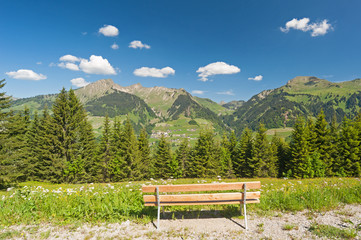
(213, 106)
(305, 96)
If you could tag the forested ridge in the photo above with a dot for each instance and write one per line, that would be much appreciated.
(61, 147)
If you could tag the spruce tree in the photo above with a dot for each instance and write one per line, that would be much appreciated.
(263, 163)
(283, 155)
(348, 162)
(147, 168)
(73, 138)
(47, 168)
(183, 157)
(225, 156)
(5, 165)
(13, 165)
(104, 156)
(118, 169)
(130, 152)
(205, 157)
(300, 165)
(244, 154)
(323, 143)
(163, 163)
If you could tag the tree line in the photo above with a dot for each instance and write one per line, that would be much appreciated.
(61, 147)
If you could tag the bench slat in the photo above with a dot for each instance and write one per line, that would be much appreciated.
(200, 187)
(194, 199)
(203, 203)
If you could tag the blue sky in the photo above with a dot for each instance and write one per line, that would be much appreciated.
(222, 50)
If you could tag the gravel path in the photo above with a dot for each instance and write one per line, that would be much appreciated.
(269, 227)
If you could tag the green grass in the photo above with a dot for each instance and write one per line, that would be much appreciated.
(34, 202)
(331, 232)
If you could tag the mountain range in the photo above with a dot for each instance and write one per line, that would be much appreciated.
(177, 113)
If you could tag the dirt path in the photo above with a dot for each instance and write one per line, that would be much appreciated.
(278, 226)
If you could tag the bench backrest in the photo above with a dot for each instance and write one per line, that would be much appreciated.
(203, 198)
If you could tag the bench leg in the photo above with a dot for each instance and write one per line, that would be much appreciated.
(158, 217)
(245, 216)
(244, 204)
(158, 205)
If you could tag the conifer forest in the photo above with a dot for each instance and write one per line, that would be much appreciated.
(58, 145)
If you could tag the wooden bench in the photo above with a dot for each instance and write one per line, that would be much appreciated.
(181, 198)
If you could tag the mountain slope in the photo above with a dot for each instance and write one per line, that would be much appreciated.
(300, 96)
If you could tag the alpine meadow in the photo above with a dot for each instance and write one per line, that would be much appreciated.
(166, 119)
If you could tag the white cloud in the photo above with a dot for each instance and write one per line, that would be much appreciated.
(321, 28)
(154, 72)
(84, 33)
(97, 65)
(68, 65)
(79, 82)
(216, 68)
(39, 63)
(114, 46)
(25, 74)
(229, 92)
(317, 28)
(138, 44)
(109, 31)
(198, 92)
(69, 58)
(256, 78)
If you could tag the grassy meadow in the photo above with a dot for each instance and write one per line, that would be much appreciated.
(34, 202)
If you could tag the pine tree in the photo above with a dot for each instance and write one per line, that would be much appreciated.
(348, 162)
(47, 168)
(283, 155)
(73, 138)
(118, 169)
(32, 156)
(101, 167)
(300, 165)
(263, 163)
(5, 165)
(147, 168)
(323, 143)
(183, 157)
(163, 162)
(244, 154)
(225, 156)
(13, 166)
(205, 157)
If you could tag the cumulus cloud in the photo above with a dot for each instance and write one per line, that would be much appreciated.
(229, 92)
(215, 69)
(256, 78)
(109, 31)
(69, 58)
(316, 28)
(68, 65)
(154, 72)
(79, 82)
(26, 74)
(114, 46)
(97, 65)
(198, 92)
(138, 44)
